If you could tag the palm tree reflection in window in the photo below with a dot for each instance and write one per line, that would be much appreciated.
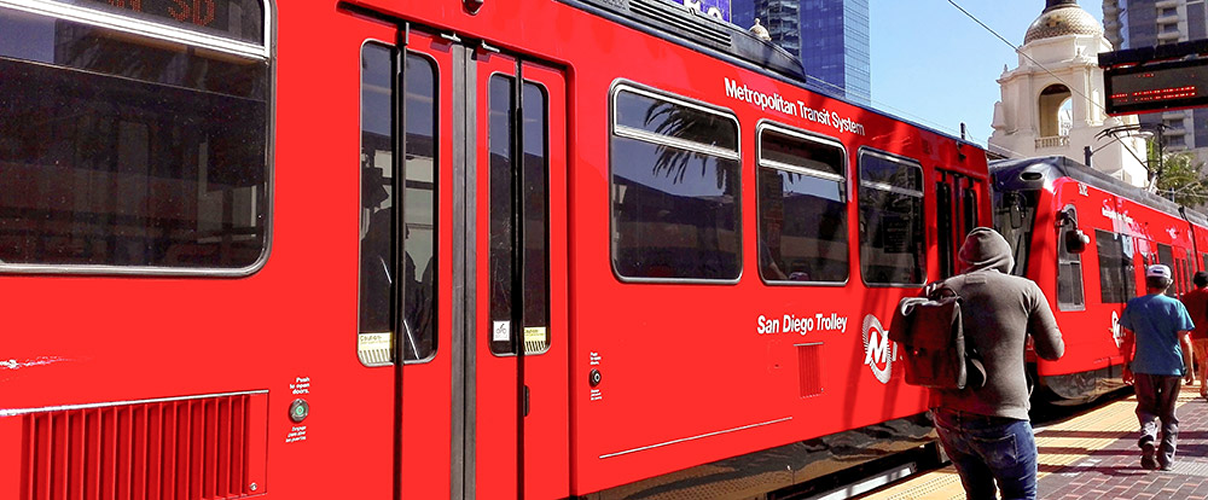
(689, 125)
(670, 222)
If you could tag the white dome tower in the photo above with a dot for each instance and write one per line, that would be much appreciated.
(1053, 103)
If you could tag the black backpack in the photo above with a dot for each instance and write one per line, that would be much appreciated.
(932, 337)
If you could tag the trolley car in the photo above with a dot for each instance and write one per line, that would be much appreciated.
(378, 248)
(1086, 238)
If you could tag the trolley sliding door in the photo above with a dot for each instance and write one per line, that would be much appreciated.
(521, 420)
(404, 268)
(467, 284)
(957, 213)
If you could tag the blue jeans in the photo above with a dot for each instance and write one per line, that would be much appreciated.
(986, 449)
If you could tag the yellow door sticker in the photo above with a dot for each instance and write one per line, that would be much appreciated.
(534, 334)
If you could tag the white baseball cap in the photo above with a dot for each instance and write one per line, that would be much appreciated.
(1158, 271)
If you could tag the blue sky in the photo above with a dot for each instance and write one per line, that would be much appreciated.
(933, 65)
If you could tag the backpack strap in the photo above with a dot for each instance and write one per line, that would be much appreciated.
(975, 369)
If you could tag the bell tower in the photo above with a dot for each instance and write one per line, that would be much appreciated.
(1053, 102)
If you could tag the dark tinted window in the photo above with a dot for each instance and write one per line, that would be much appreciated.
(1069, 272)
(120, 151)
(892, 243)
(1015, 216)
(378, 235)
(1184, 277)
(1188, 272)
(971, 211)
(1166, 256)
(944, 215)
(501, 136)
(536, 220)
(1117, 273)
(802, 209)
(532, 198)
(675, 190)
(237, 19)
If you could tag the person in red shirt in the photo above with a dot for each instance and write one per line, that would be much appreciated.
(1196, 302)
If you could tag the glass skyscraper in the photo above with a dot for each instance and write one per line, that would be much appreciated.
(1131, 24)
(830, 36)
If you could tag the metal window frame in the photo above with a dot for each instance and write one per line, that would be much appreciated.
(545, 93)
(906, 162)
(265, 53)
(1070, 258)
(844, 181)
(435, 65)
(100, 18)
(625, 85)
(670, 141)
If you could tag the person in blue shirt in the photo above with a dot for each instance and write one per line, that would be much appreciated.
(1159, 328)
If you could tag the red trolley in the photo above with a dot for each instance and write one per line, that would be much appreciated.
(375, 248)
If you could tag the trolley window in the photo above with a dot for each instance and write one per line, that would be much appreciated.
(531, 202)
(1015, 216)
(892, 245)
(1166, 256)
(378, 237)
(970, 204)
(1188, 271)
(1180, 276)
(675, 190)
(1117, 272)
(142, 150)
(1070, 296)
(802, 208)
(944, 216)
(236, 19)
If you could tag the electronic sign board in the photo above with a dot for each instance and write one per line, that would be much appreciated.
(235, 19)
(1157, 87)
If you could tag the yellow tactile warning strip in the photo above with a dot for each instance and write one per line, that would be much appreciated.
(1060, 444)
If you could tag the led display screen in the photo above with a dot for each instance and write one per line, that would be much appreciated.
(237, 19)
(1157, 87)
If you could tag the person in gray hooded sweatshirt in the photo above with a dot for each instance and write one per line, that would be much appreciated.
(985, 429)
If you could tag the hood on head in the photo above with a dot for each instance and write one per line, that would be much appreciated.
(984, 248)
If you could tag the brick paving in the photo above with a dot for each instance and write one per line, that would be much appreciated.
(1095, 456)
(1114, 471)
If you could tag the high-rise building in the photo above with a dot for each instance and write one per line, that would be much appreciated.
(830, 36)
(1131, 24)
(835, 45)
(742, 13)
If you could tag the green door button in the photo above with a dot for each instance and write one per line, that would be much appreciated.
(298, 410)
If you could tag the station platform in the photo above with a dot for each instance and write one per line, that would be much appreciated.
(1094, 455)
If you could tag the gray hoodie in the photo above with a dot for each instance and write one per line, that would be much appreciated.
(999, 311)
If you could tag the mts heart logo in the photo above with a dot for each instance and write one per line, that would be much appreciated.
(1117, 333)
(879, 352)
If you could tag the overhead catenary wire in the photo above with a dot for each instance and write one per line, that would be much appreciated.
(1019, 50)
(841, 91)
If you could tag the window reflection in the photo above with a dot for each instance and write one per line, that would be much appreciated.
(1069, 271)
(535, 335)
(892, 244)
(675, 191)
(122, 151)
(378, 234)
(1117, 273)
(802, 210)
